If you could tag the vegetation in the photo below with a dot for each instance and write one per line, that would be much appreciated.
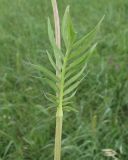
(27, 119)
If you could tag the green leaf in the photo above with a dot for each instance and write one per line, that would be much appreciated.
(51, 60)
(72, 71)
(85, 42)
(51, 35)
(51, 98)
(46, 71)
(70, 97)
(71, 88)
(67, 103)
(83, 58)
(91, 51)
(78, 61)
(68, 32)
(75, 77)
(57, 52)
(52, 85)
(69, 108)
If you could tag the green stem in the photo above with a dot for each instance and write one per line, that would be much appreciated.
(59, 114)
(57, 33)
(58, 134)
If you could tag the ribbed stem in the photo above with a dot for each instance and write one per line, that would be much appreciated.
(59, 113)
(58, 134)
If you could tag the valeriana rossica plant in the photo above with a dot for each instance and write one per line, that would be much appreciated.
(68, 66)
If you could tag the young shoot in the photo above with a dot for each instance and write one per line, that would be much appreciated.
(68, 66)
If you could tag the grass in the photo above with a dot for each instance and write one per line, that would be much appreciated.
(26, 118)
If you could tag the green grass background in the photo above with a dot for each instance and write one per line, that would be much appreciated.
(27, 120)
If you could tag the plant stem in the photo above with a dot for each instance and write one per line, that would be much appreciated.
(57, 32)
(57, 22)
(58, 134)
(59, 113)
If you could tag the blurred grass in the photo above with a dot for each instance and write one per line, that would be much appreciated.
(27, 120)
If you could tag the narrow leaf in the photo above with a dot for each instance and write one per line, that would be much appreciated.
(51, 60)
(71, 88)
(72, 71)
(51, 98)
(68, 32)
(46, 71)
(83, 58)
(67, 103)
(57, 52)
(52, 84)
(75, 77)
(84, 43)
(70, 97)
(68, 108)
(51, 34)
(77, 61)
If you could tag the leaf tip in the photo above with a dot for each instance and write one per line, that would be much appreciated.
(67, 9)
(101, 20)
(48, 20)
